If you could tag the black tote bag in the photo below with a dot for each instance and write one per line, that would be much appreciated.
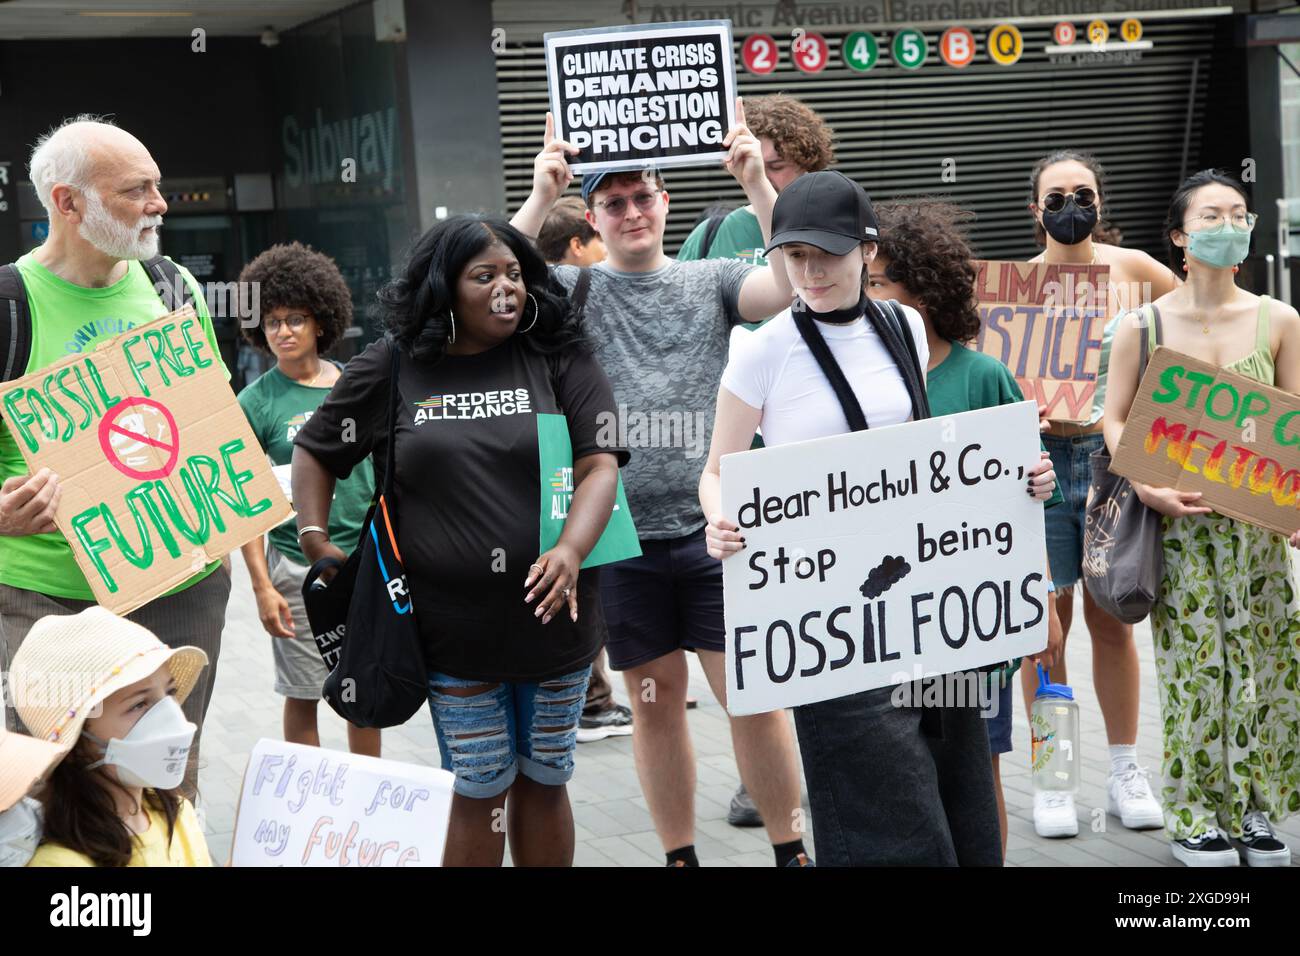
(1123, 550)
(363, 620)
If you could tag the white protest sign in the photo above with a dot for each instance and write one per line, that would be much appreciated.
(883, 556)
(304, 806)
(660, 94)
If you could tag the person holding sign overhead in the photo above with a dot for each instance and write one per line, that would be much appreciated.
(306, 307)
(92, 279)
(111, 692)
(1067, 192)
(660, 329)
(490, 358)
(888, 784)
(1226, 621)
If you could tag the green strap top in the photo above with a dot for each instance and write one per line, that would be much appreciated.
(1257, 365)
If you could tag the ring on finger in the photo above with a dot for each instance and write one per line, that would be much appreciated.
(566, 591)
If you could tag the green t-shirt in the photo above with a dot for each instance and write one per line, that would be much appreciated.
(69, 319)
(967, 380)
(738, 237)
(277, 407)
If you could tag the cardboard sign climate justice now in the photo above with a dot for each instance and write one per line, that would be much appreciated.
(883, 556)
(1196, 427)
(1045, 323)
(159, 470)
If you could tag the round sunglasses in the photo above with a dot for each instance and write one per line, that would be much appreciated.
(1083, 198)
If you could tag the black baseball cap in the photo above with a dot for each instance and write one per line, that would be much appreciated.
(825, 209)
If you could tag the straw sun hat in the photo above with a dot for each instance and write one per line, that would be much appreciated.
(69, 664)
(23, 761)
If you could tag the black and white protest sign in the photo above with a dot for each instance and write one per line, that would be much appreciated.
(629, 97)
(883, 556)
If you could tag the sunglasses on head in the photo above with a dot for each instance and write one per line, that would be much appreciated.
(1083, 198)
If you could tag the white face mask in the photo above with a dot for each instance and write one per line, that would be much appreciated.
(20, 832)
(154, 751)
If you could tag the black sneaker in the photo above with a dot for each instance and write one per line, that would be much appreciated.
(1261, 844)
(743, 813)
(801, 859)
(615, 722)
(1211, 848)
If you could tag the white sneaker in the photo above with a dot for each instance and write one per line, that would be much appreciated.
(1129, 797)
(1211, 848)
(1261, 844)
(1054, 814)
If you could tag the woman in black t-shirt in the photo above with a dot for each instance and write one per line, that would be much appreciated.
(487, 350)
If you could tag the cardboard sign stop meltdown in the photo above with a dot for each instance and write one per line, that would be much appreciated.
(1196, 427)
(159, 470)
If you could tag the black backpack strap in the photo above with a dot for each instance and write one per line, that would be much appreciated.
(15, 324)
(713, 224)
(167, 279)
(580, 289)
(892, 327)
(830, 368)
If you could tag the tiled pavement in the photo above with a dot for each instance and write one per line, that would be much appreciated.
(613, 825)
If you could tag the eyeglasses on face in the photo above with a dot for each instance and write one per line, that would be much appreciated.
(618, 205)
(1217, 220)
(1083, 198)
(295, 321)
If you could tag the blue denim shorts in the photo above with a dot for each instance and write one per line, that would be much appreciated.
(487, 739)
(1065, 522)
(998, 714)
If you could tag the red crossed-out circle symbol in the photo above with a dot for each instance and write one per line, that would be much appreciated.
(138, 433)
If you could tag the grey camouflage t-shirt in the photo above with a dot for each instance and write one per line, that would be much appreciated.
(662, 339)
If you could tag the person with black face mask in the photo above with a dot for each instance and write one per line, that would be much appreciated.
(1066, 198)
(888, 785)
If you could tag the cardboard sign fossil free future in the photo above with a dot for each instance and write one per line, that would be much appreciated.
(630, 97)
(159, 470)
(1196, 427)
(1045, 323)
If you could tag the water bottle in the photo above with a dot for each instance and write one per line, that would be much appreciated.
(1054, 731)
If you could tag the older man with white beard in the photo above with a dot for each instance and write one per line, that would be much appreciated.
(89, 281)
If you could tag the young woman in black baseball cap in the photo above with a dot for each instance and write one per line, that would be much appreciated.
(887, 784)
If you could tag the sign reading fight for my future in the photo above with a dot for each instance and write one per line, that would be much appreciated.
(1196, 427)
(1044, 321)
(883, 556)
(304, 806)
(159, 470)
(629, 97)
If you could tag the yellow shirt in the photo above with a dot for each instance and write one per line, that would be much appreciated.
(187, 848)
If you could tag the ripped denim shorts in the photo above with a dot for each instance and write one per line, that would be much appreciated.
(488, 737)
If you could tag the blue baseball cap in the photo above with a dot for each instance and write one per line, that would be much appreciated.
(591, 181)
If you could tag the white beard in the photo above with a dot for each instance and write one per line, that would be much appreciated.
(113, 238)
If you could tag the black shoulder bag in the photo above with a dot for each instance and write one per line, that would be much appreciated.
(363, 619)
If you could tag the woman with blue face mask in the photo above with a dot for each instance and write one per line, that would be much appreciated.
(24, 763)
(110, 692)
(1228, 615)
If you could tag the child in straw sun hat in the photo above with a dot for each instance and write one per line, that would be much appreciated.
(24, 763)
(109, 692)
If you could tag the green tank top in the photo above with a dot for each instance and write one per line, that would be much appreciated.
(1257, 365)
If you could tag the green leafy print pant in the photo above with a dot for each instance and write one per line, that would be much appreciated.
(1227, 648)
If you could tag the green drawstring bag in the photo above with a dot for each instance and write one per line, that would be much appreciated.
(555, 457)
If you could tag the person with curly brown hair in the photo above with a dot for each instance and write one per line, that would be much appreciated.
(795, 140)
(306, 307)
(924, 262)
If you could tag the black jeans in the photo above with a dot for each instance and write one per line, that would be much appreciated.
(885, 792)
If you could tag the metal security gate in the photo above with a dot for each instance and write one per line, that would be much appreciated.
(895, 128)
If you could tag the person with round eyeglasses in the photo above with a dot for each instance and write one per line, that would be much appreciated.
(1226, 623)
(306, 308)
(1067, 200)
